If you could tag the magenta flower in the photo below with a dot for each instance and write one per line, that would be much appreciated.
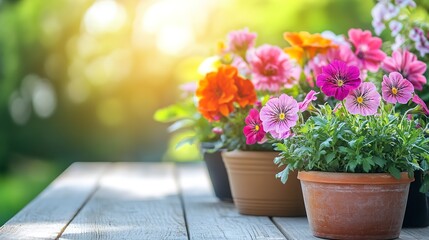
(241, 40)
(417, 100)
(408, 65)
(279, 115)
(311, 96)
(342, 53)
(396, 89)
(337, 79)
(367, 49)
(272, 69)
(364, 100)
(254, 131)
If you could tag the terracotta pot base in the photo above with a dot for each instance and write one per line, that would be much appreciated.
(354, 206)
(255, 189)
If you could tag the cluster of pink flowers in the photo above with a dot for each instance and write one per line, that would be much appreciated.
(269, 67)
(341, 73)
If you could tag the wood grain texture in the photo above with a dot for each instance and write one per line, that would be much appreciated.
(133, 201)
(47, 215)
(208, 218)
(298, 229)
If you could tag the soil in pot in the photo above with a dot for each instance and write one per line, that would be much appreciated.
(255, 189)
(217, 172)
(353, 205)
(417, 211)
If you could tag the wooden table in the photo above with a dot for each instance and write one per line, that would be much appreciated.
(145, 201)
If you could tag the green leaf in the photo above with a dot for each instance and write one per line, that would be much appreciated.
(366, 164)
(379, 161)
(187, 140)
(325, 144)
(280, 147)
(283, 175)
(171, 113)
(181, 124)
(394, 172)
(425, 184)
(330, 157)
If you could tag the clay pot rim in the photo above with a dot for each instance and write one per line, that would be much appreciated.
(249, 154)
(353, 178)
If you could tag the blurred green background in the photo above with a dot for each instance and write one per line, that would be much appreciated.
(81, 79)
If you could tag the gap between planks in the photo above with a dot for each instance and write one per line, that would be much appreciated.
(97, 184)
(46, 216)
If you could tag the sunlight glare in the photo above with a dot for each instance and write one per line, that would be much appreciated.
(105, 16)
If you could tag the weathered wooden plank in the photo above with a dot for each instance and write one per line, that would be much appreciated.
(208, 218)
(47, 215)
(133, 201)
(298, 229)
(294, 228)
(415, 233)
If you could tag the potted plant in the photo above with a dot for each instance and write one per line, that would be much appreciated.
(406, 24)
(356, 158)
(231, 98)
(185, 117)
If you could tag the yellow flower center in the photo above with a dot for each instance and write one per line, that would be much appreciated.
(394, 91)
(359, 99)
(256, 127)
(282, 116)
(340, 83)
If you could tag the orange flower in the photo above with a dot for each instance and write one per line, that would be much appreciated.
(218, 91)
(246, 94)
(305, 45)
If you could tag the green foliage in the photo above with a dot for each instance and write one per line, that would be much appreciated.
(185, 117)
(340, 142)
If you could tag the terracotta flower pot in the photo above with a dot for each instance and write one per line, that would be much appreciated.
(217, 172)
(255, 189)
(354, 205)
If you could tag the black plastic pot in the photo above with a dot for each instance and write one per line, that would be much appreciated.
(417, 211)
(217, 172)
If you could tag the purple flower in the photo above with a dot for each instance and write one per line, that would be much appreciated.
(337, 79)
(421, 43)
(311, 96)
(254, 131)
(364, 100)
(417, 100)
(395, 27)
(279, 115)
(396, 89)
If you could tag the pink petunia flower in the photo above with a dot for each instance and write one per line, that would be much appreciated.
(254, 131)
(364, 100)
(279, 115)
(408, 65)
(396, 89)
(272, 69)
(367, 49)
(311, 96)
(338, 79)
(241, 40)
(417, 100)
(342, 52)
